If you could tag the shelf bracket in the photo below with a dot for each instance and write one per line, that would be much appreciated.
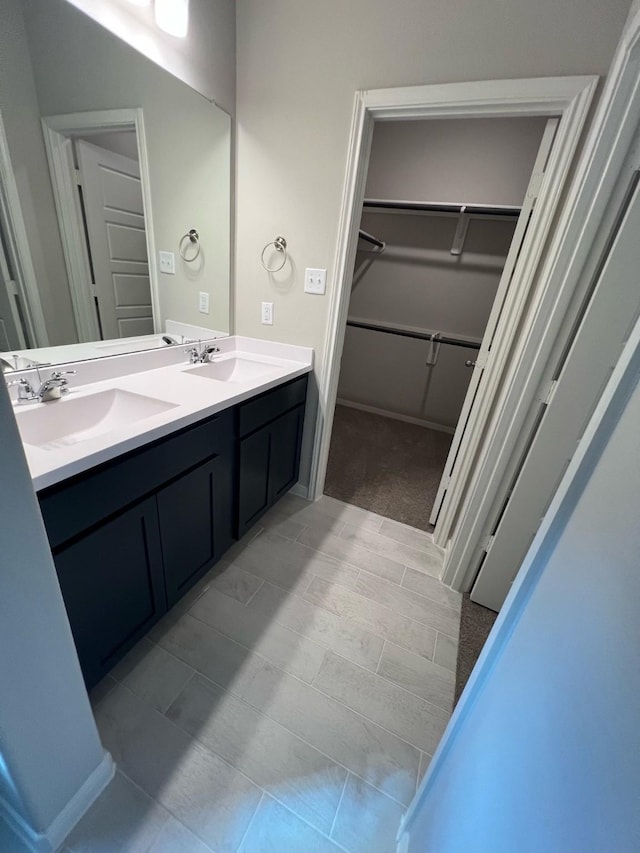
(461, 231)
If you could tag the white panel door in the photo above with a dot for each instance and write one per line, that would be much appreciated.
(11, 334)
(614, 306)
(509, 275)
(114, 213)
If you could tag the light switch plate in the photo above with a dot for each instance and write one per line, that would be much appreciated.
(203, 303)
(315, 281)
(267, 314)
(167, 262)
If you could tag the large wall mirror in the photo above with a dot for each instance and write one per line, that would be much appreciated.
(107, 162)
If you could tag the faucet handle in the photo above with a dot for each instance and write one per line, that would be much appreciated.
(58, 374)
(25, 389)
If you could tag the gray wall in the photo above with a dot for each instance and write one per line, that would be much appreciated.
(478, 161)
(299, 65)
(416, 282)
(21, 119)
(547, 758)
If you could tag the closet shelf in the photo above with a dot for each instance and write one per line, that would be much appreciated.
(433, 337)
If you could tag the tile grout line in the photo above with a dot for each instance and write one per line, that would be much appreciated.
(342, 793)
(346, 563)
(192, 675)
(253, 817)
(388, 681)
(384, 643)
(422, 625)
(418, 552)
(419, 595)
(165, 808)
(254, 593)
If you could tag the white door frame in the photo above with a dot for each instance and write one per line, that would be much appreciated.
(566, 97)
(57, 132)
(19, 244)
(566, 274)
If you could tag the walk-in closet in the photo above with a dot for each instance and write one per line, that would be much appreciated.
(442, 204)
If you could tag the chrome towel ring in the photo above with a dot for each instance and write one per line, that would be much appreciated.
(280, 245)
(194, 238)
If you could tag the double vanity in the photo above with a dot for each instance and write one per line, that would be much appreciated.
(147, 474)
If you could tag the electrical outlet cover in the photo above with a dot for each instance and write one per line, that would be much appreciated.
(203, 303)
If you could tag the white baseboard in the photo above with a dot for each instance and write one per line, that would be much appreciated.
(300, 491)
(64, 822)
(396, 416)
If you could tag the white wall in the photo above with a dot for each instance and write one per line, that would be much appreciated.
(79, 66)
(299, 64)
(205, 59)
(416, 283)
(21, 119)
(48, 739)
(546, 753)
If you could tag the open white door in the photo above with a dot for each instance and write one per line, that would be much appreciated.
(114, 213)
(507, 279)
(614, 306)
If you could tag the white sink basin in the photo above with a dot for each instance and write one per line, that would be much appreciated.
(63, 423)
(235, 369)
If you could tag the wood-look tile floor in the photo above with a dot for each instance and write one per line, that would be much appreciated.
(292, 700)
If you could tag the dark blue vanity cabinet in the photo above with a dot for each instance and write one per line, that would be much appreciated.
(131, 536)
(270, 436)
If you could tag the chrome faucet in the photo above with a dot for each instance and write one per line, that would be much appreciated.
(201, 356)
(51, 389)
(55, 386)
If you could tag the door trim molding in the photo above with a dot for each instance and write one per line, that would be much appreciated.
(566, 97)
(19, 243)
(57, 130)
(613, 130)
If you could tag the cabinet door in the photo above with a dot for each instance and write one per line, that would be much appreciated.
(284, 463)
(111, 581)
(253, 487)
(195, 515)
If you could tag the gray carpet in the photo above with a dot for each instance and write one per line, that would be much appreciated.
(386, 466)
(475, 624)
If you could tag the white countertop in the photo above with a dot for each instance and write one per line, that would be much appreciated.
(191, 397)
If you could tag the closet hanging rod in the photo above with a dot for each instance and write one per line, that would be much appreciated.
(505, 210)
(369, 238)
(421, 336)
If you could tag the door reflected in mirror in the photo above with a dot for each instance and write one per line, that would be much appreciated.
(106, 162)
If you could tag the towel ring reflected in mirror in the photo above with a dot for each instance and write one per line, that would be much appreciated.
(280, 245)
(191, 237)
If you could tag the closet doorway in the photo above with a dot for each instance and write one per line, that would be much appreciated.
(446, 209)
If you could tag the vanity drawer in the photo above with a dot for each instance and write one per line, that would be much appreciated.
(259, 411)
(87, 499)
